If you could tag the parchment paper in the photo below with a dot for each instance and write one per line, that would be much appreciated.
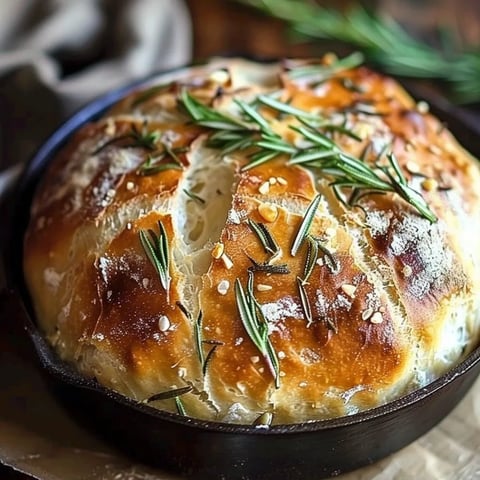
(120, 40)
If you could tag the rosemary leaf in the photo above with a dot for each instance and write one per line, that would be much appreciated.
(286, 108)
(180, 408)
(208, 358)
(305, 225)
(312, 257)
(267, 267)
(307, 310)
(268, 242)
(194, 196)
(176, 392)
(197, 330)
(331, 261)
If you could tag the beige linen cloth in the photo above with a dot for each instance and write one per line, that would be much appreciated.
(55, 55)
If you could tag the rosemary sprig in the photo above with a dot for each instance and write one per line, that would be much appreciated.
(305, 225)
(157, 251)
(135, 138)
(384, 42)
(319, 151)
(256, 325)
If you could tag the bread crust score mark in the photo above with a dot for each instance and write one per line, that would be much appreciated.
(246, 243)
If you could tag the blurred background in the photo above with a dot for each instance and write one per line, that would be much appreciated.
(56, 55)
(230, 26)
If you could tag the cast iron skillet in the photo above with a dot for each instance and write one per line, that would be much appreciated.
(202, 449)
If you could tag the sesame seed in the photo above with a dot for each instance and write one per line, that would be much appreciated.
(130, 186)
(302, 384)
(272, 180)
(407, 270)
(227, 261)
(163, 323)
(223, 286)
(281, 181)
(129, 226)
(255, 359)
(376, 318)
(349, 289)
(145, 282)
(281, 355)
(261, 369)
(366, 314)
(264, 188)
(320, 262)
(268, 211)
(412, 167)
(261, 287)
(218, 250)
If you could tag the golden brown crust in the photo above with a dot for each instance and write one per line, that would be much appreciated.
(393, 298)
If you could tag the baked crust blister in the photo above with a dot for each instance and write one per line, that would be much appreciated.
(167, 267)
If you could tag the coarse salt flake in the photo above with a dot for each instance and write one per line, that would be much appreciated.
(223, 286)
(163, 323)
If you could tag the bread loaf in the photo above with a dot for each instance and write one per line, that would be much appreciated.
(250, 243)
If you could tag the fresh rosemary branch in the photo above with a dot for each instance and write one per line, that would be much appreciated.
(384, 42)
(319, 151)
(256, 325)
(135, 138)
(157, 251)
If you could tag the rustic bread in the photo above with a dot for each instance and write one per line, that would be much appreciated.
(164, 263)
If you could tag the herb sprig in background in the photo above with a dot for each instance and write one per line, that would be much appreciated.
(383, 41)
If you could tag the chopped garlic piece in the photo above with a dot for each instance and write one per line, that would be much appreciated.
(349, 289)
(264, 188)
(268, 211)
(218, 250)
(227, 261)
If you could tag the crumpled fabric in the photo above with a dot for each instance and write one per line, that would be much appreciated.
(56, 55)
